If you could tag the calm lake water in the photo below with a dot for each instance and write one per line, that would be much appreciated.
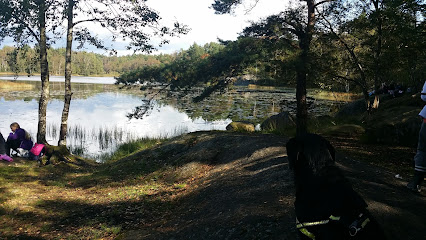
(98, 123)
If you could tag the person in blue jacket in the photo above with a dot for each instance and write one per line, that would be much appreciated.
(18, 138)
(420, 157)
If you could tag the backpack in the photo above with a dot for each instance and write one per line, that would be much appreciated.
(37, 151)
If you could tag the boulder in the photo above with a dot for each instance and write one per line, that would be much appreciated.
(402, 129)
(396, 121)
(241, 127)
(345, 130)
(280, 121)
(354, 108)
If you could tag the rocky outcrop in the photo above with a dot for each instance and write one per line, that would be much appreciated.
(357, 107)
(345, 130)
(280, 121)
(396, 121)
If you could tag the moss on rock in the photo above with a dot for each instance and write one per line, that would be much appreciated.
(241, 127)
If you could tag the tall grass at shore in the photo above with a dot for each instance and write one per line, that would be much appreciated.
(110, 142)
(10, 85)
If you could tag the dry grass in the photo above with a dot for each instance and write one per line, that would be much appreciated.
(259, 87)
(335, 96)
(11, 85)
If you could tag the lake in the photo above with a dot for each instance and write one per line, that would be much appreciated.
(75, 79)
(98, 120)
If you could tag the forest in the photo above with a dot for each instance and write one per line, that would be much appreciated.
(358, 51)
(24, 60)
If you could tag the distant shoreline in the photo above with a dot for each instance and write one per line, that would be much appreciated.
(75, 79)
(38, 74)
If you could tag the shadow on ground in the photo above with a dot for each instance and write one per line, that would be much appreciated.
(243, 191)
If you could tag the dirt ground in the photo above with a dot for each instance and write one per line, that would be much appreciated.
(204, 185)
(248, 193)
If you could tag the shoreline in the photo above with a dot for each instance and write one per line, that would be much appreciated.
(38, 74)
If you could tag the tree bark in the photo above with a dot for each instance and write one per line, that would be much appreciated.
(378, 52)
(302, 108)
(68, 93)
(302, 71)
(44, 66)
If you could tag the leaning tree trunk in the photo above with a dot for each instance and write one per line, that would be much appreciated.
(68, 93)
(44, 68)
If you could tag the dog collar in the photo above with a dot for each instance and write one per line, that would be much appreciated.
(354, 227)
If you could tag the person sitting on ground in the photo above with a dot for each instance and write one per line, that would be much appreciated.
(18, 138)
(3, 147)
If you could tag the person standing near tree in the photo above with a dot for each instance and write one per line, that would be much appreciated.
(420, 157)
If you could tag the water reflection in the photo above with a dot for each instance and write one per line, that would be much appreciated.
(98, 122)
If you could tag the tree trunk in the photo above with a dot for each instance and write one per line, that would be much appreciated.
(302, 107)
(378, 52)
(68, 93)
(302, 71)
(44, 68)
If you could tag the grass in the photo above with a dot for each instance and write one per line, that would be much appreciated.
(335, 96)
(115, 142)
(89, 201)
(130, 191)
(10, 85)
(131, 147)
(113, 74)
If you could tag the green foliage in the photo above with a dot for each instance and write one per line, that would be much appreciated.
(225, 6)
(386, 37)
(24, 60)
(216, 65)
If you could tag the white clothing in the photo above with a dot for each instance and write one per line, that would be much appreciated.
(424, 91)
(423, 111)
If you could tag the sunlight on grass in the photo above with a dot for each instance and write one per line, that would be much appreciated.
(131, 147)
(50, 207)
(92, 201)
(334, 96)
(180, 185)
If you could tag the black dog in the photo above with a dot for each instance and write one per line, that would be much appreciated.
(326, 205)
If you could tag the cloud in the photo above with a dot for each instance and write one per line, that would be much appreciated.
(206, 26)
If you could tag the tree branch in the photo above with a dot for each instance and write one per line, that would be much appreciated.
(26, 26)
(291, 43)
(351, 80)
(88, 20)
(141, 111)
(351, 52)
(322, 2)
(247, 11)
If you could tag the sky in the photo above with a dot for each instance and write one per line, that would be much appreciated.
(204, 24)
